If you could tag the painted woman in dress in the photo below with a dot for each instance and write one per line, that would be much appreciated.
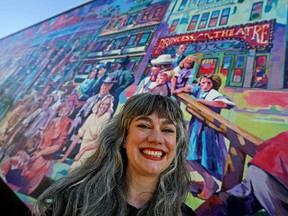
(53, 138)
(182, 73)
(207, 150)
(90, 130)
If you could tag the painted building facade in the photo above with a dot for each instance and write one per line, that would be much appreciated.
(244, 42)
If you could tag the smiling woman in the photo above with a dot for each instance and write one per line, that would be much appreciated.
(139, 167)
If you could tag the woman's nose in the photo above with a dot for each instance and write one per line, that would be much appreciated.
(156, 137)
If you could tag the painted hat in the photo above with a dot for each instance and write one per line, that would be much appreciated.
(125, 60)
(98, 66)
(110, 79)
(108, 65)
(162, 59)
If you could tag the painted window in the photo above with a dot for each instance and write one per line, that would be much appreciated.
(193, 23)
(132, 19)
(144, 38)
(110, 25)
(85, 69)
(117, 23)
(83, 72)
(137, 39)
(214, 18)
(260, 77)
(239, 69)
(146, 15)
(256, 12)
(110, 46)
(224, 16)
(192, 3)
(131, 40)
(97, 47)
(207, 66)
(119, 42)
(203, 20)
(201, 2)
(182, 5)
(157, 12)
(103, 45)
(286, 79)
(226, 65)
(174, 26)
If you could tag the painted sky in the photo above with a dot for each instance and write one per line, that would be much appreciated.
(16, 15)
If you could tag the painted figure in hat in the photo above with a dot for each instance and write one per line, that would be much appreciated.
(83, 88)
(124, 77)
(100, 77)
(92, 88)
(157, 81)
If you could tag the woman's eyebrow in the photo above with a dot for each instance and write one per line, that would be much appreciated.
(168, 122)
(147, 118)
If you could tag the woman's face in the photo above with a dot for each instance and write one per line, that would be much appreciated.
(47, 102)
(155, 70)
(103, 107)
(101, 71)
(188, 64)
(162, 79)
(65, 110)
(206, 84)
(93, 74)
(150, 145)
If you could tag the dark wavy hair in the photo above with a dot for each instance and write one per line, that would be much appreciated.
(99, 186)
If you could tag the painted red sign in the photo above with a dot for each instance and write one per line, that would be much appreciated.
(255, 35)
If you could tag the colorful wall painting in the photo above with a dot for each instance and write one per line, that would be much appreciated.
(103, 52)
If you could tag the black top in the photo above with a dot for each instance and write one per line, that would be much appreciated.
(10, 202)
(186, 211)
(132, 211)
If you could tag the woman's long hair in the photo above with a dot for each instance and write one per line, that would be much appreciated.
(99, 186)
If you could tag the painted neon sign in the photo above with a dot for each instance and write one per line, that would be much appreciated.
(255, 35)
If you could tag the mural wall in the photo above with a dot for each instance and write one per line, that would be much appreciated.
(70, 74)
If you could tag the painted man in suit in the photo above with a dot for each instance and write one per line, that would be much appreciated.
(179, 55)
(124, 77)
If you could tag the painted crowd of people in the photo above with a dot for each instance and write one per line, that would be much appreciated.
(59, 125)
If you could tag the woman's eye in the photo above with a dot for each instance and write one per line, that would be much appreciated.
(143, 126)
(168, 130)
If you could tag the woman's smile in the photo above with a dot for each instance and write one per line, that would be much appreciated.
(153, 154)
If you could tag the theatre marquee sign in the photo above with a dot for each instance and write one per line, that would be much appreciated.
(255, 35)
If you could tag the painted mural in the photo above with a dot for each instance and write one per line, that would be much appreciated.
(63, 78)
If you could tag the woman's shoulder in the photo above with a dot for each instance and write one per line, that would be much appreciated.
(132, 211)
(187, 211)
